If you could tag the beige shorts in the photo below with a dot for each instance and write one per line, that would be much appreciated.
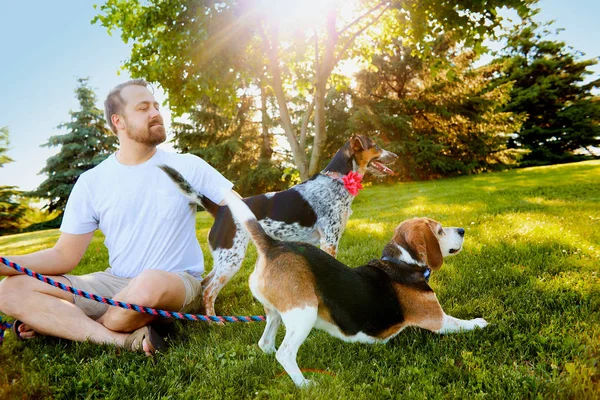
(106, 284)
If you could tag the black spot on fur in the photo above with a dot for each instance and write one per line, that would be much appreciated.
(341, 161)
(221, 235)
(287, 206)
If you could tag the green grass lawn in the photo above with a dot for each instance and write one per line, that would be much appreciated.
(530, 267)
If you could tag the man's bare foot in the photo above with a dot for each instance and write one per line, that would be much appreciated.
(23, 331)
(145, 339)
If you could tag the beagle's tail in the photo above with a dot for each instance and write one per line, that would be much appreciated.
(242, 213)
(189, 192)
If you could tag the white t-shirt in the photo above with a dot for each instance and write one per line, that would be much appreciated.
(147, 221)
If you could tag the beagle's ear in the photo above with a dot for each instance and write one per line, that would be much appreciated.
(425, 244)
(357, 143)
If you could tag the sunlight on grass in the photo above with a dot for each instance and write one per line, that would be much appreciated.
(370, 227)
(547, 202)
(27, 242)
(582, 283)
(530, 266)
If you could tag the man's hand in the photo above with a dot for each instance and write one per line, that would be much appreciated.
(62, 258)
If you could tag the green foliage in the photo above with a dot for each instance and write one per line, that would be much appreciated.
(529, 267)
(87, 143)
(191, 48)
(422, 22)
(563, 115)
(4, 142)
(440, 118)
(11, 210)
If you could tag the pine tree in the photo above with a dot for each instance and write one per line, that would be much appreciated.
(11, 211)
(87, 143)
(563, 115)
(4, 159)
(439, 117)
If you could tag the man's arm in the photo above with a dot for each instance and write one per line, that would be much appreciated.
(60, 259)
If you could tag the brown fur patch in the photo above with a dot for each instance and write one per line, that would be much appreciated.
(420, 308)
(365, 150)
(392, 330)
(324, 313)
(287, 282)
(417, 234)
(329, 249)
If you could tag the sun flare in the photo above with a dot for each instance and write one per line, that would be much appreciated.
(301, 15)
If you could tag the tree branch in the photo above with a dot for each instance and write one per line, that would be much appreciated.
(359, 32)
(359, 18)
(305, 121)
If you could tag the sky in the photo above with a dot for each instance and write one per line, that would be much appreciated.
(46, 45)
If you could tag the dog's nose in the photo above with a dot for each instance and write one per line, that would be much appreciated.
(461, 232)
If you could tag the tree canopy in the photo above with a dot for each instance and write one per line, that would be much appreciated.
(231, 50)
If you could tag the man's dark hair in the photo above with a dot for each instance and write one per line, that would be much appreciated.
(114, 102)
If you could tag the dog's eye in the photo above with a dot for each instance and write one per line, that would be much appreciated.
(441, 231)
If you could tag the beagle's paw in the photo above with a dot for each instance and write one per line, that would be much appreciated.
(479, 323)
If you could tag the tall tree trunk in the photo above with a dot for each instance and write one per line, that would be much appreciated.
(320, 132)
(266, 151)
(298, 154)
(323, 70)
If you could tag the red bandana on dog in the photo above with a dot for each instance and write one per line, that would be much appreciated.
(352, 182)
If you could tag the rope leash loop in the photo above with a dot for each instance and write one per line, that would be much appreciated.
(134, 307)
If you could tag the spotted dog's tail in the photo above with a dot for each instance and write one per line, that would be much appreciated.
(242, 213)
(189, 191)
(238, 208)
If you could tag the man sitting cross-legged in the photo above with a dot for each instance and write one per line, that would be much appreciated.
(150, 228)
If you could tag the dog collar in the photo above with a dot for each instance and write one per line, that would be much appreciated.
(352, 181)
(426, 273)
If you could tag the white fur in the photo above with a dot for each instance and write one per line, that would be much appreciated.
(450, 239)
(238, 208)
(405, 256)
(451, 324)
(267, 340)
(360, 337)
(298, 324)
(290, 232)
(386, 155)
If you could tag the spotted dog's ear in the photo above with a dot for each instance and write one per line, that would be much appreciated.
(358, 143)
(423, 241)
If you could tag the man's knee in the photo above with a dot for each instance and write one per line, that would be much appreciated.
(11, 288)
(151, 287)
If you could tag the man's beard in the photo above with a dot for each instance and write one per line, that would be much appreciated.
(150, 135)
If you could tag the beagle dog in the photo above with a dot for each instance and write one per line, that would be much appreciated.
(304, 287)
